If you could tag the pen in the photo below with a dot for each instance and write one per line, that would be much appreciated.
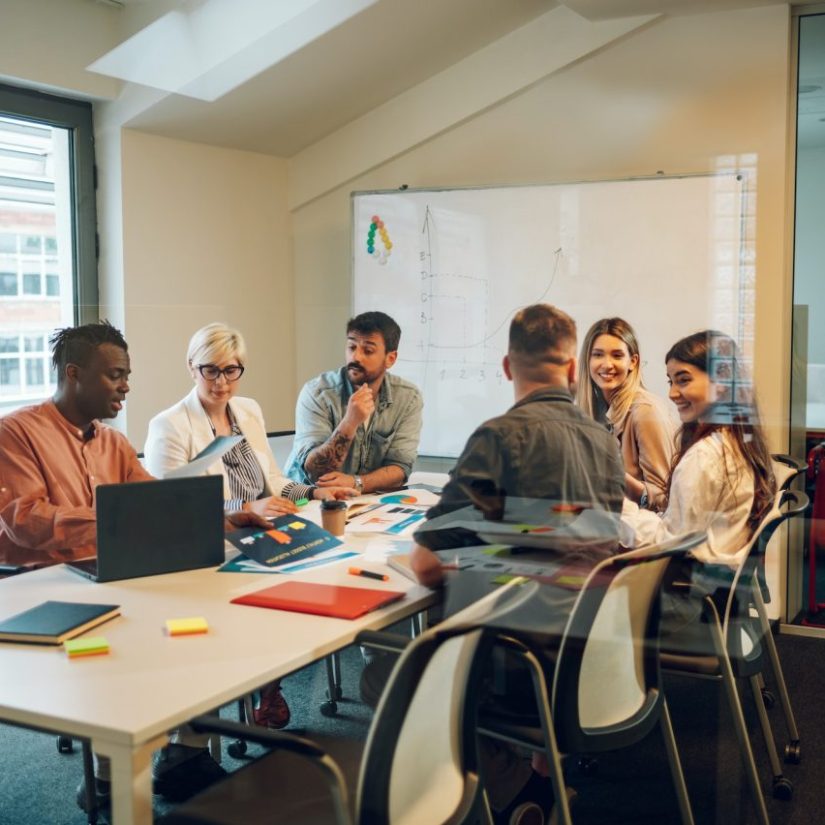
(368, 574)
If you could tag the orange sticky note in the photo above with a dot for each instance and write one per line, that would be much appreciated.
(92, 646)
(186, 627)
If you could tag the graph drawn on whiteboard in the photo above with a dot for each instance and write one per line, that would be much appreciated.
(664, 253)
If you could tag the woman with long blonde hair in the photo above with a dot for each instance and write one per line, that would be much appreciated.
(611, 391)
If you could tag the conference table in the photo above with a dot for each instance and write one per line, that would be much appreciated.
(149, 683)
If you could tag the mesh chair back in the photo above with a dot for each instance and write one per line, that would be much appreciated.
(420, 762)
(606, 688)
(736, 625)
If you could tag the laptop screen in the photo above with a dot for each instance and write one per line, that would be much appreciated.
(151, 527)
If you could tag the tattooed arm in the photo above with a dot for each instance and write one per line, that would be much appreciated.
(330, 456)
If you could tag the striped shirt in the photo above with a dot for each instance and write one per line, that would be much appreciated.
(246, 478)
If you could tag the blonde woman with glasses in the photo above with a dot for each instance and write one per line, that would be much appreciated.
(252, 480)
(611, 391)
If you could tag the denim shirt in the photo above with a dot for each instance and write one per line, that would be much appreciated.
(389, 438)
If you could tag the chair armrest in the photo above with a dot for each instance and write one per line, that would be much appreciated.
(258, 735)
(380, 640)
(285, 741)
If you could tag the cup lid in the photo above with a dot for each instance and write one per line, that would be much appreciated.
(333, 504)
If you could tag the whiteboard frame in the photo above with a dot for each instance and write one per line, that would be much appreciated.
(739, 174)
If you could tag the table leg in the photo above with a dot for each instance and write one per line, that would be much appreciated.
(131, 776)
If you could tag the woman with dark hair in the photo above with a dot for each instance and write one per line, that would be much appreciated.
(721, 480)
(611, 391)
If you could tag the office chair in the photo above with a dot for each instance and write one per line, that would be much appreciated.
(611, 638)
(786, 469)
(725, 643)
(420, 761)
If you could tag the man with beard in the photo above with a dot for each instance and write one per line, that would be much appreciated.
(358, 426)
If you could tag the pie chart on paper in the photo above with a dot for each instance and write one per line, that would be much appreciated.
(399, 498)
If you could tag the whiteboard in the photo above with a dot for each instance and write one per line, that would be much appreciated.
(452, 266)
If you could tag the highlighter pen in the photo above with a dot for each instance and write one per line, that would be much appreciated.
(368, 574)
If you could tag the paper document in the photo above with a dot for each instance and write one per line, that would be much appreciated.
(206, 457)
(392, 518)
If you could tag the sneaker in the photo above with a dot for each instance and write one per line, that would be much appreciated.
(103, 796)
(180, 772)
(272, 711)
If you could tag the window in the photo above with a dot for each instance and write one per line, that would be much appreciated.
(48, 266)
(25, 367)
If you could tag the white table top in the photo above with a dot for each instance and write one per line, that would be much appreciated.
(150, 683)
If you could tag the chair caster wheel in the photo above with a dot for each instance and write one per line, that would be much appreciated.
(329, 708)
(782, 788)
(768, 699)
(588, 766)
(236, 749)
(65, 744)
(793, 752)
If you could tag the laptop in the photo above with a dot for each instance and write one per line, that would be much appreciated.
(151, 527)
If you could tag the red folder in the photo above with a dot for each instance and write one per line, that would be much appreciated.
(321, 599)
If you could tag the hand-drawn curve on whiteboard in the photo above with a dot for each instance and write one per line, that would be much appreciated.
(671, 255)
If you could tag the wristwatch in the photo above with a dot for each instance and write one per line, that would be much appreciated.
(359, 483)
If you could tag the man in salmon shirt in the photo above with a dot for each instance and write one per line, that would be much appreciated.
(53, 455)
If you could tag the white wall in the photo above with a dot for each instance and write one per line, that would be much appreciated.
(205, 238)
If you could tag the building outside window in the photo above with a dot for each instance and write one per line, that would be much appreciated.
(48, 275)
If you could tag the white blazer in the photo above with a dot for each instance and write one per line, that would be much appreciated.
(178, 434)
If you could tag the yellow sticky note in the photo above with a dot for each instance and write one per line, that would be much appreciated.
(92, 646)
(296, 525)
(186, 627)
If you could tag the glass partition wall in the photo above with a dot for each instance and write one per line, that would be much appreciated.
(808, 372)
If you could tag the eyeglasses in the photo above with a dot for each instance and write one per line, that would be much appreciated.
(212, 373)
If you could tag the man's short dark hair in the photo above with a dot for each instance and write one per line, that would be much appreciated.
(542, 334)
(75, 345)
(368, 322)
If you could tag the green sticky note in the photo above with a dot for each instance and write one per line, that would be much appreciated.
(86, 647)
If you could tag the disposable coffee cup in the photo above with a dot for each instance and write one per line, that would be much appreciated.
(334, 516)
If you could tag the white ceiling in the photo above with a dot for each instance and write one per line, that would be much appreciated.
(370, 57)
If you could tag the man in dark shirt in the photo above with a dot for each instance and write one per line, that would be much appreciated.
(543, 447)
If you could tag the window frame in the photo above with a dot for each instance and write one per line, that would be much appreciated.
(76, 117)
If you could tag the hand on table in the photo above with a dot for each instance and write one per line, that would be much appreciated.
(241, 518)
(426, 566)
(271, 506)
(336, 479)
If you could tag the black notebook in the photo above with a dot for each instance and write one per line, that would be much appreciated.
(51, 623)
